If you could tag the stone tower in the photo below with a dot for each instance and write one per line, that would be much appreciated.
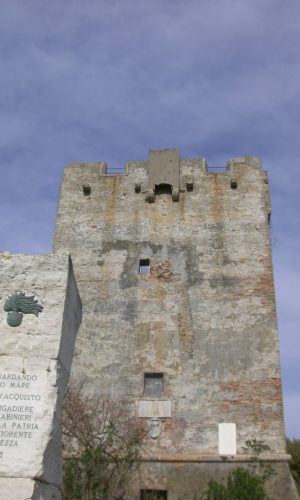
(174, 269)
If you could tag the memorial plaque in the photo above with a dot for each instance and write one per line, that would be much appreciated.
(26, 413)
(39, 318)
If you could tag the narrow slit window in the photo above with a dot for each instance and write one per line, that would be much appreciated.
(189, 186)
(233, 184)
(153, 385)
(144, 266)
(154, 495)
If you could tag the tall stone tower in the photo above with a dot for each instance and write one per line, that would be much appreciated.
(174, 269)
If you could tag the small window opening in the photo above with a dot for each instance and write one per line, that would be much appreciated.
(137, 188)
(163, 189)
(233, 184)
(153, 385)
(189, 186)
(154, 495)
(86, 189)
(144, 267)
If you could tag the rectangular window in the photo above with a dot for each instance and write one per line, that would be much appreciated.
(227, 439)
(154, 495)
(153, 385)
(144, 267)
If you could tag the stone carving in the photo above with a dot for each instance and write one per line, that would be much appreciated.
(18, 304)
(154, 427)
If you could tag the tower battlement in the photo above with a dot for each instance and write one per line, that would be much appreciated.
(165, 172)
(164, 162)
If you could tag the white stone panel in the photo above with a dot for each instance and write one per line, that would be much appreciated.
(227, 439)
(27, 489)
(155, 408)
(27, 403)
(35, 364)
(16, 489)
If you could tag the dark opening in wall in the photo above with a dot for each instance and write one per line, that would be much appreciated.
(86, 189)
(163, 189)
(144, 266)
(153, 385)
(269, 218)
(189, 186)
(137, 187)
(233, 184)
(154, 495)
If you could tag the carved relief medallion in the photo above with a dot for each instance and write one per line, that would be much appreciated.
(18, 304)
(154, 427)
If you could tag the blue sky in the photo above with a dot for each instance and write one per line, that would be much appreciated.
(93, 80)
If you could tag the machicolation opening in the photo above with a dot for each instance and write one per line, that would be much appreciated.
(163, 189)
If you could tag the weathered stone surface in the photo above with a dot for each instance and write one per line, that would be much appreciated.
(35, 362)
(25, 489)
(163, 170)
(205, 315)
(162, 409)
(185, 480)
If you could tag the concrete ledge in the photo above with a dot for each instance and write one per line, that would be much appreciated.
(281, 457)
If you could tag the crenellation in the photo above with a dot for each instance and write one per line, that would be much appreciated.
(244, 161)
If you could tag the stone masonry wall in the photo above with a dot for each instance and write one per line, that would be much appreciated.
(205, 315)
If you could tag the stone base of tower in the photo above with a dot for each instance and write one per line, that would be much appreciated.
(189, 480)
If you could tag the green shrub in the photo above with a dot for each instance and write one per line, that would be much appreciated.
(293, 448)
(102, 444)
(241, 485)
